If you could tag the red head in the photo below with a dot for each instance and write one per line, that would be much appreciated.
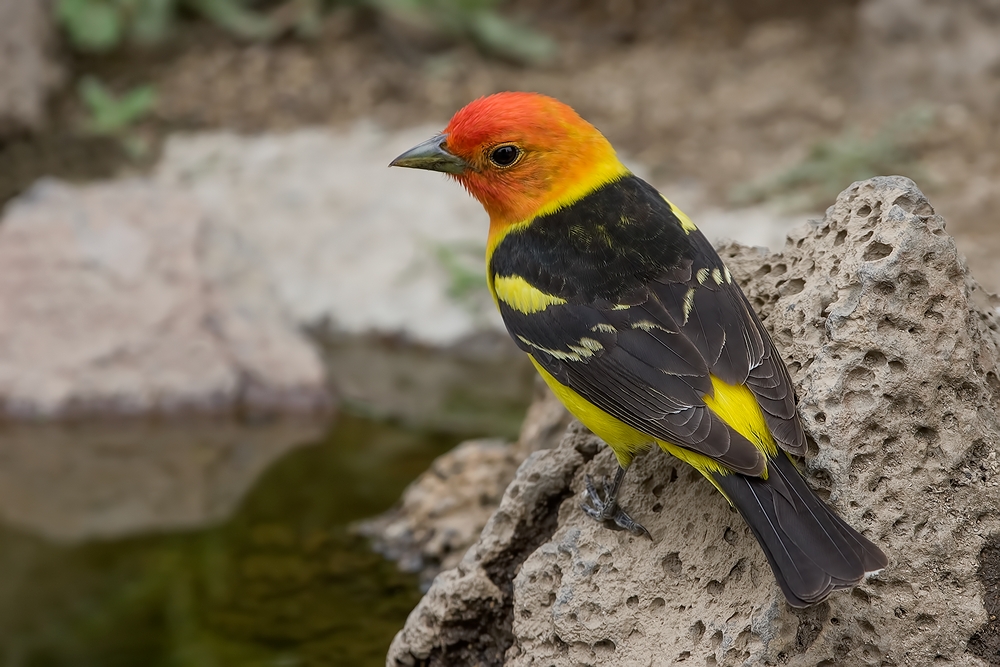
(520, 155)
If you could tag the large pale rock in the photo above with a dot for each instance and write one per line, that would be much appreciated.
(105, 307)
(893, 350)
(28, 70)
(335, 235)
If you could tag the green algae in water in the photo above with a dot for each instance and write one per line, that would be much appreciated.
(281, 583)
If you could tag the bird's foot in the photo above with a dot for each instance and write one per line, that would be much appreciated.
(606, 509)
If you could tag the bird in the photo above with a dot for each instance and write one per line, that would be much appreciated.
(633, 320)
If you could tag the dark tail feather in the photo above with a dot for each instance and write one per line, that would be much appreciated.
(812, 551)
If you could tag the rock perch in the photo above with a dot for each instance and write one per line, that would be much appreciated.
(893, 349)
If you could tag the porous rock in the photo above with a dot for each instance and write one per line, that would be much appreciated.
(893, 350)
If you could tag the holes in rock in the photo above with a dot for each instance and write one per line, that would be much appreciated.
(604, 647)
(884, 287)
(897, 366)
(876, 251)
(864, 211)
(861, 462)
(657, 508)
(865, 237)
(874, 358)
(762, 271)
(779, 269)
(891, 322)
(811, 620)
(859, 379)
(715, 587)
(730, 535)
(525, 613)
(657, 603)
(927, 433)
(840, 238)
(534, 477)
(967, 392)
(716, 639)
(683, 655)
(812, 449)
(916, 205)
(658, 490)
(793, 286)
(698, 630)
(672, 564)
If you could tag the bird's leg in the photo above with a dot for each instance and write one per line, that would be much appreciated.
(607, 508)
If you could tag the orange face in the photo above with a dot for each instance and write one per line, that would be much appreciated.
(519, 154)
(525, 151)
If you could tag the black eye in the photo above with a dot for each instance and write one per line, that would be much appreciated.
(504, 156)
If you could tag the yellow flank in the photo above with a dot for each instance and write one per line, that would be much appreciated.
(703, 464)
(624, 440)
(686, 223)
(520, 295)
(737, 406)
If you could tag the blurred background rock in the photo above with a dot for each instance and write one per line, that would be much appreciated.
(206, 268)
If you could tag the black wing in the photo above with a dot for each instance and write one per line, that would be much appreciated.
(650, 312)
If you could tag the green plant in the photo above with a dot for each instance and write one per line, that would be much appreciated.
(478, 20)
(833, 164)
(103, 25)
(109, 114)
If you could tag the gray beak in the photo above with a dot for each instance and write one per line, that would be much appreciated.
(432, 155)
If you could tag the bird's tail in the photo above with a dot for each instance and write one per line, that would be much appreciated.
(812, 551)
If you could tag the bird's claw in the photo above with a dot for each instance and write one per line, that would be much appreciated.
(607, 510)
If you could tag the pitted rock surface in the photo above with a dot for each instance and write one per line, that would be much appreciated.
(893, 349)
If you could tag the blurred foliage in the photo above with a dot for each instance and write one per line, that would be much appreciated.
(100, 26)
(110, 115)
(478, 20)
(832, 165)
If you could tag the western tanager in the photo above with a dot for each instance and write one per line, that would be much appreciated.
(636, 324)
